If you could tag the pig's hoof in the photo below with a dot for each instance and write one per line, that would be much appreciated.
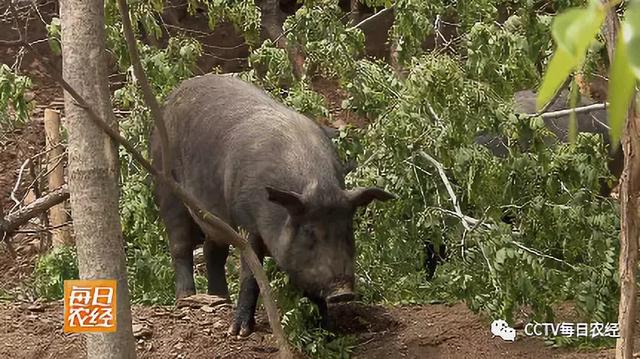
(184, 293)
(242, 328)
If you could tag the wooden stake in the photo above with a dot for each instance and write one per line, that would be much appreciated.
(57, 215)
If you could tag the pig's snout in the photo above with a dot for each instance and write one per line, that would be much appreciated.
(341, 297)
(341, 294)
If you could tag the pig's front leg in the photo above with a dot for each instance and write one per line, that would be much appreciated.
(244, 319)
(321, 303)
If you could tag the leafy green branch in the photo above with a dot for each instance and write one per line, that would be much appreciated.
(574, 31)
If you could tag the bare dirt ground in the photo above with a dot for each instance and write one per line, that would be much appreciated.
(31, 329)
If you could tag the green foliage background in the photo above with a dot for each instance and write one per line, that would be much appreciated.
(562, 243)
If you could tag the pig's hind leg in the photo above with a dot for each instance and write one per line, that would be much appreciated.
(183, 235)
(216, 257)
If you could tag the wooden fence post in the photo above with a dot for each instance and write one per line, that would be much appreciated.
(57, 216)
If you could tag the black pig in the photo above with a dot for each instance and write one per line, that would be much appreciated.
(592, 122)
(263, 167)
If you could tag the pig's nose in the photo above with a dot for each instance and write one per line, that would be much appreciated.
(341, 295)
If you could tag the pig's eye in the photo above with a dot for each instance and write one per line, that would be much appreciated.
(309, 235)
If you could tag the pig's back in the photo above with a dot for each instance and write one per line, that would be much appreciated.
(231, 139)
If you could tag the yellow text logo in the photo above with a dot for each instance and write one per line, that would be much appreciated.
(89, 306)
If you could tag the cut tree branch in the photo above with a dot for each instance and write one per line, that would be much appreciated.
(470, 223)
(24, 214)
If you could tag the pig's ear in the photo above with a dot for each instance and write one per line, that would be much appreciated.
(290, 200)
(361, 197)
(330, 131)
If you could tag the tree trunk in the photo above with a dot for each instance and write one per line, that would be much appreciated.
(93, 169)
(629, 212)
(629, 235)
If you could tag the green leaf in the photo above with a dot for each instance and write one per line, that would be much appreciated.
(563, 28)
(631, 31)
(560, 67)
(621, 86)
(53, 35)
(501, 255)
(575, 29)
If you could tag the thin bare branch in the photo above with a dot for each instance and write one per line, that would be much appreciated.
(447, 184)
(470, 223)
(470, 220)
(4, 236)
(45, 229)
(18, 181)
(567, 112)
(476, 223)
(10, 43)
(147, 92)
(44, 219)
(39, 176)
(371, 18)
(540, 254)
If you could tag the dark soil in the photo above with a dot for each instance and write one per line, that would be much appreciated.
(34, 330)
